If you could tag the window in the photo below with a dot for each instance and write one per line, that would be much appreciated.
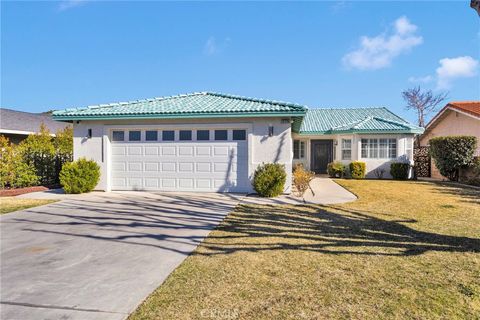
(151, 135)
(346, 149)
(221, 134)
(203, 135)
(134, 135)
(298, 149)
(392, 148)
(118, 136)
(168, 135)
(185, 135)
(409, 148)
(239, 135)
(379, 148)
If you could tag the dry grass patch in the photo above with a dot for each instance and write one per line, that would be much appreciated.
(9, 204)
(403, 250)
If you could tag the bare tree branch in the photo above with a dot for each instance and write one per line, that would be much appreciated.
(423, 102)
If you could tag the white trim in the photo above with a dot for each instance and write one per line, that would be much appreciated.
(8, 131)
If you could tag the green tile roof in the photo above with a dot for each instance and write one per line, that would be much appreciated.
(195, 105)
(352, 120)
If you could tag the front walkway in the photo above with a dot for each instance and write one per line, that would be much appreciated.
(325, 191)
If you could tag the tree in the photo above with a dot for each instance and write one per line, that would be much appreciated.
(423, 102)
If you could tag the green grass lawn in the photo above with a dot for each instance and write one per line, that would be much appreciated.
(404, 250)
(9, 204)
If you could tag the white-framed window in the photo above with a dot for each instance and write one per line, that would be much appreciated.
(409, 148)
(298, 149)
(379, 148)
(346, 149)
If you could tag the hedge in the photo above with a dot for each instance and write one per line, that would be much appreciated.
(450, 153)
(399, 170)
(358, 169)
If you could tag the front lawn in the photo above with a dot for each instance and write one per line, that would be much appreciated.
(403, 250)
(9, 204)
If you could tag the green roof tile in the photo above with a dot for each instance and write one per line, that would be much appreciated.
(352, 120)
(209, 105)
(195, 105)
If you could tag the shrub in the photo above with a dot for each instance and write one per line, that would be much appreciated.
(399, 170)
(451, 153)
(25, 176)
(79, 176)
(269, 179)
(358, 169)
(336, 169)
(13, 172)
(301, 179)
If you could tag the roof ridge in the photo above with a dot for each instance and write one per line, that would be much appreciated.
(405, 125)
(274, 102)
(345, 108)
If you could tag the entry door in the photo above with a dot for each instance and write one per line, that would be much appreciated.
(322, 154)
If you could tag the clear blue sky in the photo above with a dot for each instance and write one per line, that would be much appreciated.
(324, 54)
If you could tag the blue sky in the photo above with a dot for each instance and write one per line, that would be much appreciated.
(322, 54)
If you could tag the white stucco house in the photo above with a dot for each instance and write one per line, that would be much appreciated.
(213, 142)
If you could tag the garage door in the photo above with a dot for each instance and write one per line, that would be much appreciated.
(180, 160)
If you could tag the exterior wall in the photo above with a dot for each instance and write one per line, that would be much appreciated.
(372, 164)
(453, 123)
(261, 147)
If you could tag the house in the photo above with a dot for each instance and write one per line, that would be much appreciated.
(455, 119)
(17, 125)
(214, 142)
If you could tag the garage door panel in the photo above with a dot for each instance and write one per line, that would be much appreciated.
(135, 150)
(185, 151)
(152, 183)
(204, 167)
(152, 151)
(135, 166)
(185, 166)
(203, 151)
(169, 150)
(151, 166)
(169, 183)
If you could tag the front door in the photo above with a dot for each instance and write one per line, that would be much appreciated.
(322, 154)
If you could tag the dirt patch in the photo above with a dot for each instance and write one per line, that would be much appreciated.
(19, 191)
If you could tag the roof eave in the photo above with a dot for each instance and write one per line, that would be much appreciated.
(60, 117)
(322, 133)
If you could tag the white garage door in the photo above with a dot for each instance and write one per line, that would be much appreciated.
(180, 160)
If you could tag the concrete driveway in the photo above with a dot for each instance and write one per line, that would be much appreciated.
(98, 256)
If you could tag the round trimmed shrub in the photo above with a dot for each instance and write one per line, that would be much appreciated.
(358, 169)
(269, 179)
(336, 169)
(79, 176)
(399, 170)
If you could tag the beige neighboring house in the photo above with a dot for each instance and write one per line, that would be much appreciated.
(455, 119)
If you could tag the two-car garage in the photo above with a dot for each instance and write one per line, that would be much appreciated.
(179, 159)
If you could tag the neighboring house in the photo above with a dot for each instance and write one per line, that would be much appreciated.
(214, 142)
(17, 125)
(455, 119)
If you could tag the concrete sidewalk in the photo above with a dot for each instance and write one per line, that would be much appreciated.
(325, 191)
